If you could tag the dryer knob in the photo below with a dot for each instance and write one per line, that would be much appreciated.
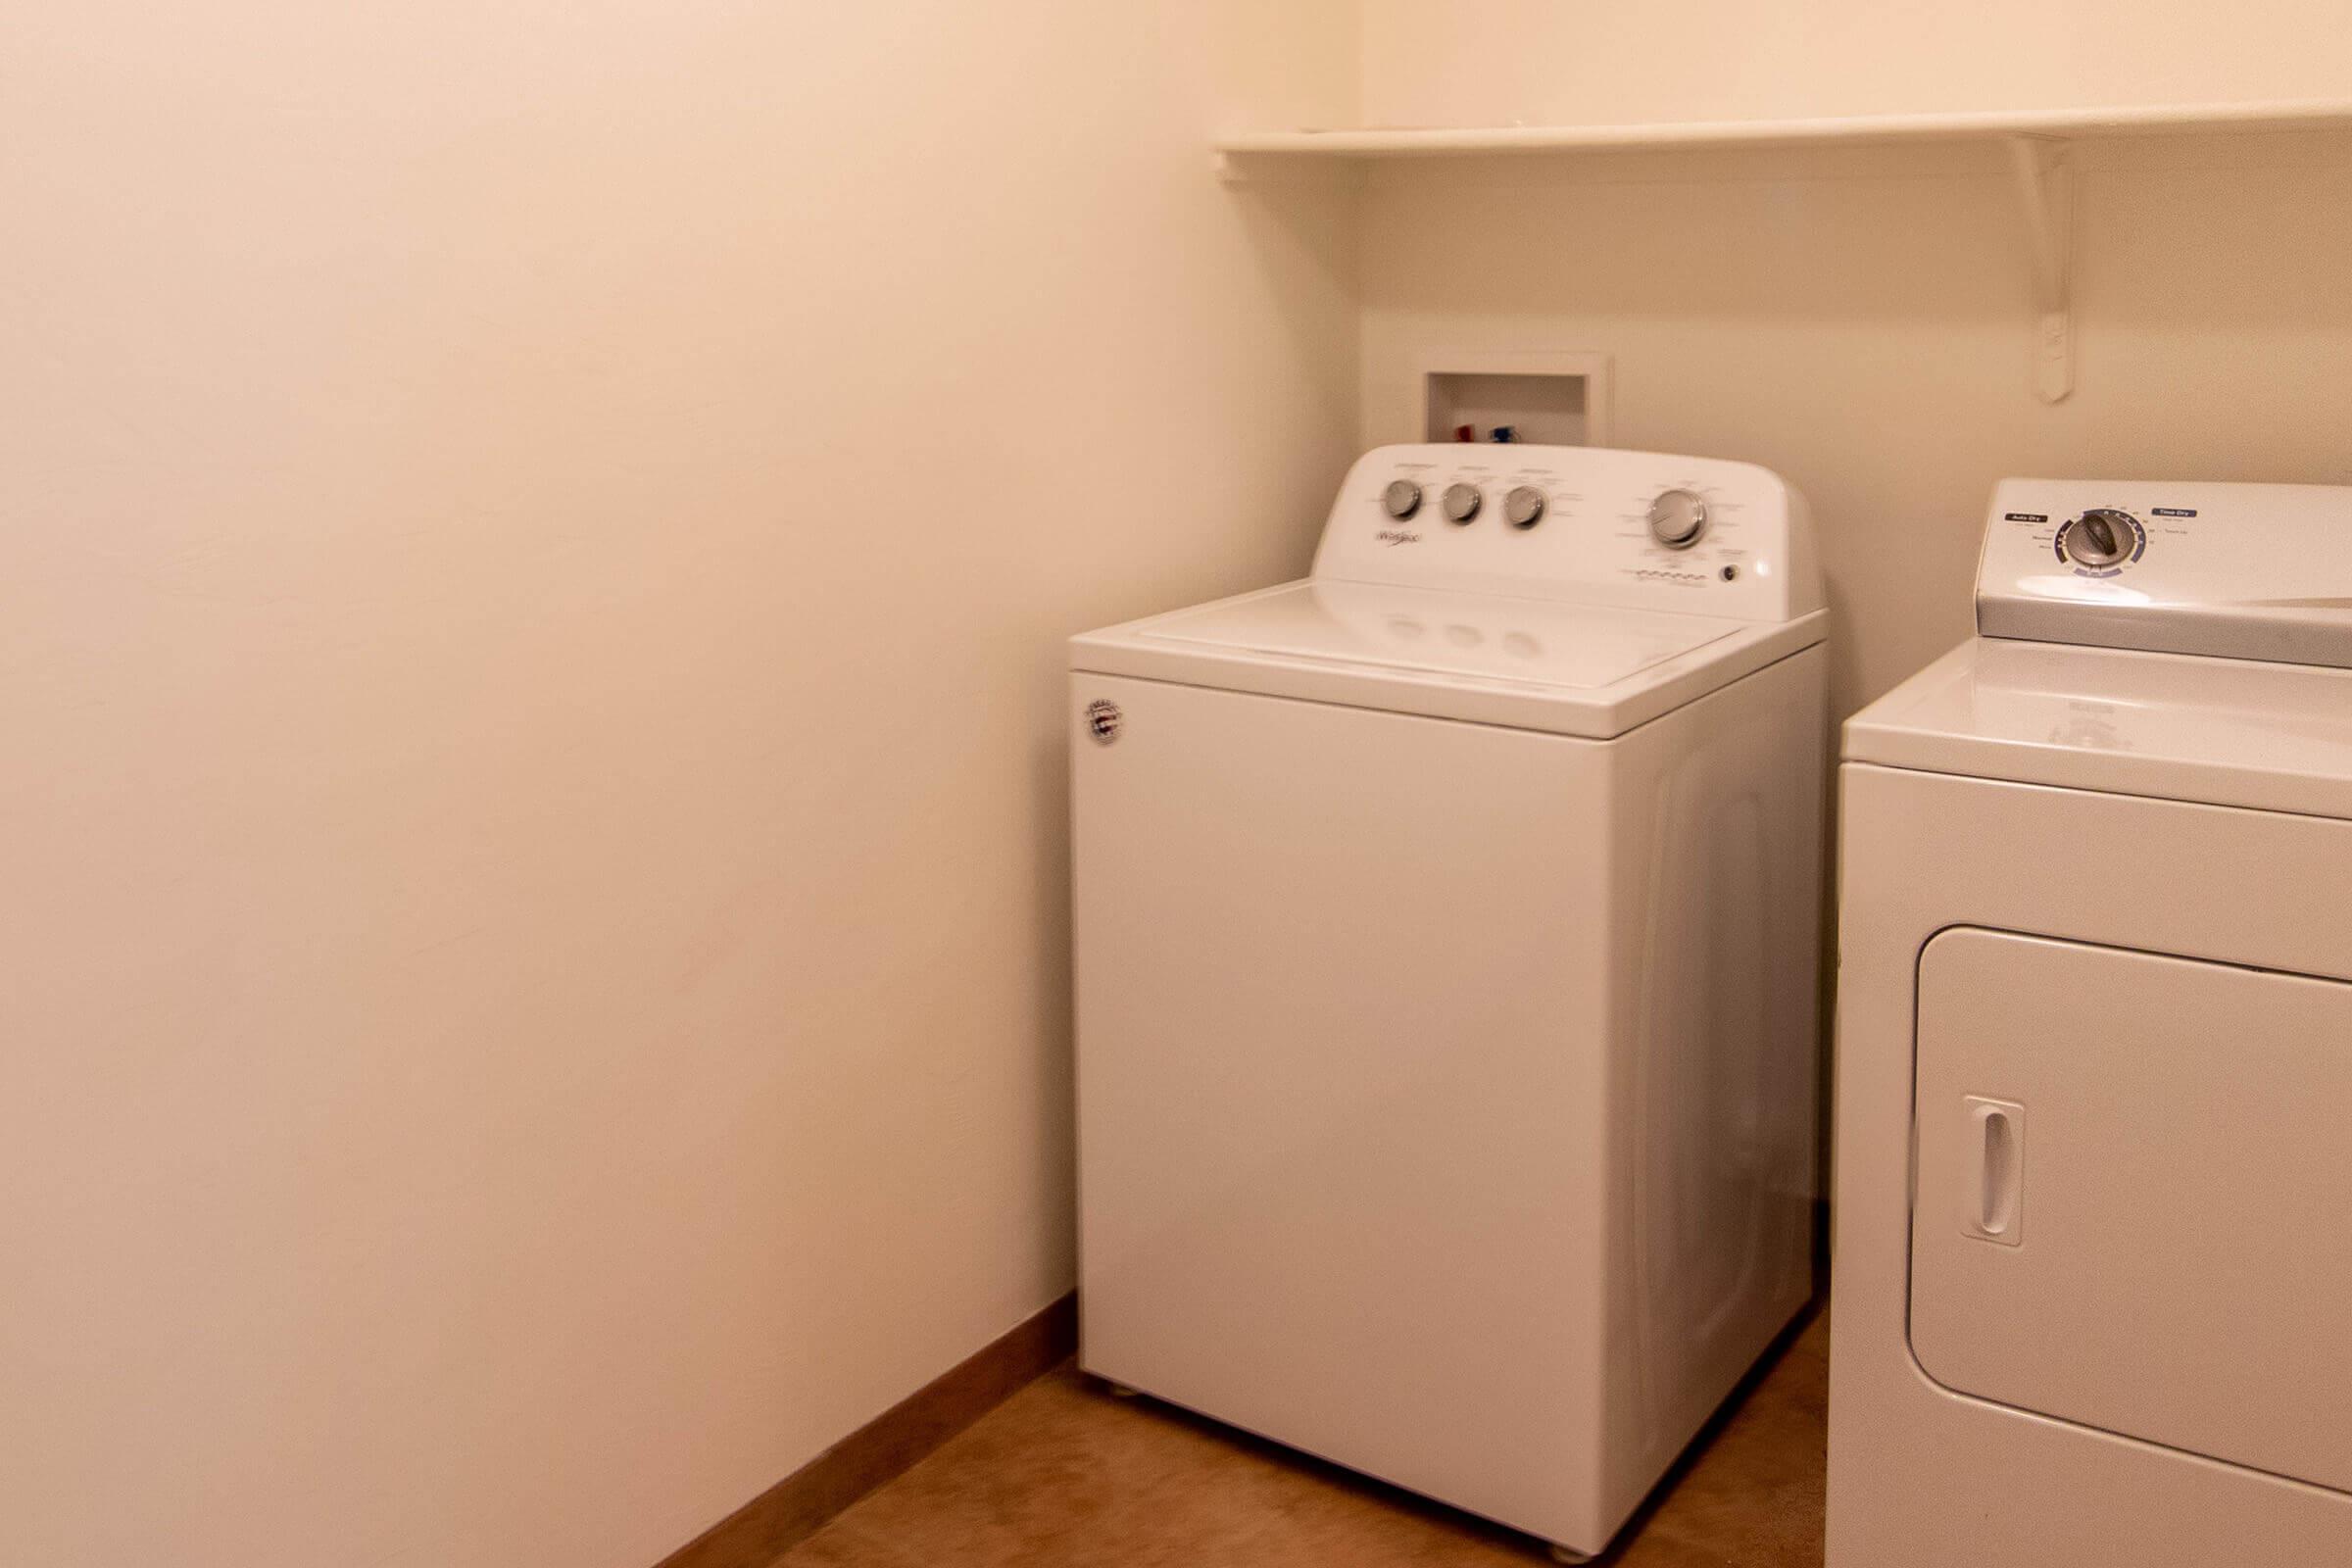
(1401, 499)
(1462, 502)
(1678, 518)
(2101, 537)
(1523, 508)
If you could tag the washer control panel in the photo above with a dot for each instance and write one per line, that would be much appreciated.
(2231, 571)
(1586, 524)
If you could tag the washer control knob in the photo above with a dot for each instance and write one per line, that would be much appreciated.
(1462, 502)
(1523, 508)
(1678, 518)
(1401, 499)
(2101, 537)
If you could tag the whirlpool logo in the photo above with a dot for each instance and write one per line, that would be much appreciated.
(1103, 720)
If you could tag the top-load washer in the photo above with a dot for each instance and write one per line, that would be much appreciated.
(2094, 1051)
(1446, 964)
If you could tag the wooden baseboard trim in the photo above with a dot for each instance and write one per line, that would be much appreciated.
(787, 1513)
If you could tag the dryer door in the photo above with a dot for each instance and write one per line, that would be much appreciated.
(2133, 1200)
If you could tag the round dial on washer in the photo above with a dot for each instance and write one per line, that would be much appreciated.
(2101, 537)
(1678, 518)
(1462, 502)
(1523, 508)
(1401, 499)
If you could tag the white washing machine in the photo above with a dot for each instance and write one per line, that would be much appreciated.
(2093, 1295)
(1447, 971)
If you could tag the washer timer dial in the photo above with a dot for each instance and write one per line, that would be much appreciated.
(1678, 518)
(1401, 499)
(1462, 502)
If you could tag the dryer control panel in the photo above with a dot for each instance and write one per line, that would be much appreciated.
(2233, 570)
(1586, 524)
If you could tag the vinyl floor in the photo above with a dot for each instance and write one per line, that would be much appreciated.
(1063, 1473)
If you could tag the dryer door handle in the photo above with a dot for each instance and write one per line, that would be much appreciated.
(1994, 1209)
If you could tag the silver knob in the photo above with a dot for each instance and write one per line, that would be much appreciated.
(2101, 537)
(1461, 502)
(1401, 499)
(1523, 508)
(1678, 518)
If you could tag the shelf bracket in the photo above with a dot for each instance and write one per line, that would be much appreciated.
(2046, 187)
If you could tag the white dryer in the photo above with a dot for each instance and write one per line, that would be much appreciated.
(2092, 1296)
(1446, 932)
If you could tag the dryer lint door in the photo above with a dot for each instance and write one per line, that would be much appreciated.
(2133, 1197)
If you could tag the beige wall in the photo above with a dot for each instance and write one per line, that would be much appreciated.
(1581, 62)
(1860, 319)
(534, 542)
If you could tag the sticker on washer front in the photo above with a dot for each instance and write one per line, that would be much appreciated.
(1103, 719)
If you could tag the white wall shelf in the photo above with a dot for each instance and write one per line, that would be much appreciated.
(2038, 142)
(1487, 141)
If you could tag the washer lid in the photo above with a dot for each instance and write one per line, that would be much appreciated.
(1530, 640)
(2224, 731)
(1574, 669)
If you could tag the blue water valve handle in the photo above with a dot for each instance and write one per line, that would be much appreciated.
(1503, 432)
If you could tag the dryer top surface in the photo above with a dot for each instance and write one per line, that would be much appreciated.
(2172, 726)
